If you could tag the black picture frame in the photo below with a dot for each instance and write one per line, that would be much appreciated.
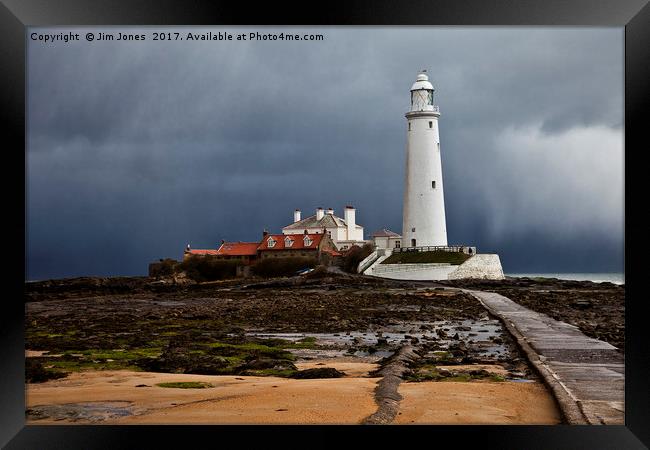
(16, 15)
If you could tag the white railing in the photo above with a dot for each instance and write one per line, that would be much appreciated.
(388, 268)
(446, 248)
(367, 261)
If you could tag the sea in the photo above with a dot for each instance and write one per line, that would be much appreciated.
(616, 278)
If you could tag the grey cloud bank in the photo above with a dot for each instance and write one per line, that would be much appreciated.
(137, 148)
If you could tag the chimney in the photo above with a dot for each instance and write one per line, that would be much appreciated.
(265, 233)
(306, 232)
(319, 214)
(296, 216)
(350, 222)
(222, 242)
(330, 211)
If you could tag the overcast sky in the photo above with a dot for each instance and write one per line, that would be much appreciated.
(137, 148)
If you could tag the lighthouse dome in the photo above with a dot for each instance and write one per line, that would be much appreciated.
(422, 82)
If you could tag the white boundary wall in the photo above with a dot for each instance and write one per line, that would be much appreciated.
(481, 266)
(409, 272)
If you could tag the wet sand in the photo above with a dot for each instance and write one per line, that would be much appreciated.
(111, 397)
(488, 403)
(231, 400)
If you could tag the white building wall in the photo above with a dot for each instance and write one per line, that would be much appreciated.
(380, 241)
(393, 241)
(341, 234)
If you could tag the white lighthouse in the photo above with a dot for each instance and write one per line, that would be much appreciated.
(423, 222)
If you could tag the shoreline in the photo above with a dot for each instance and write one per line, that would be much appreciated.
(617, 278)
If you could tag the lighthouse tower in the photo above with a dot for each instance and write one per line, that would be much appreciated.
(423, 221)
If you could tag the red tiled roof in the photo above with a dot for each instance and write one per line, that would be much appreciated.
(298, 241)
(332, 252)
(196, 251)
(238, 249)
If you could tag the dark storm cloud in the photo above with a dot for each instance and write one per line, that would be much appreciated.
(136, 148)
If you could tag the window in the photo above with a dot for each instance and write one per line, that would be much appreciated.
(430, 124)
(409, 126)
(430, 98)
(412, 242)
(308, 241)
(397, 244)
(412, 230)
(288, 242)
(433, 184)
(345, 247)
(270, 243)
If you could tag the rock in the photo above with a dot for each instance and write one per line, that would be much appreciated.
(582, 304)
(268, 363)
(459, 349)
(321, 372)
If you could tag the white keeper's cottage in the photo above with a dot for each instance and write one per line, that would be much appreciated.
(344, 231)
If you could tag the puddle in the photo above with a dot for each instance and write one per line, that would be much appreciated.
(477, 334)
(86, 411)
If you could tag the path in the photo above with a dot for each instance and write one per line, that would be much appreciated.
(586, 375)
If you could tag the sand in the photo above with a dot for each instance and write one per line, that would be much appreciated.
(111, 397)
(452, 403)
(231, 400)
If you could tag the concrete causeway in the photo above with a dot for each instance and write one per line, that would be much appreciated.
(586, 375)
